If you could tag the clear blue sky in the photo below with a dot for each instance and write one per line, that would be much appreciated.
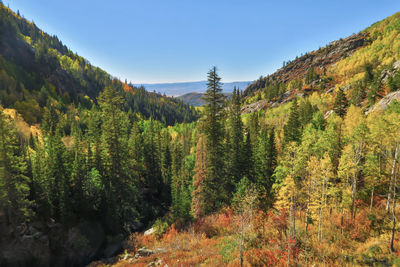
(170, 40)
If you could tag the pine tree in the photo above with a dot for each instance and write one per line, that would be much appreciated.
(248, 170)
(136, 154)
(94, 140)
(265, 164)
(373, 92)
(292, 129)
(176, 183)
(166, 171)
(14, 184)
(235, 152)
(78, 175)
(57, 171)
(153, 175)
(215, 184)
(306, 111)
(340, 105)
(119, 190)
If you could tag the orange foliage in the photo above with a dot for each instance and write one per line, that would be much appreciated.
(225, 219)
(144, 240)
(127, 88)
(357, 228)
(170, 234)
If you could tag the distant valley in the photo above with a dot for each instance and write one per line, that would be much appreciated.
(195, 99)
(182, 88)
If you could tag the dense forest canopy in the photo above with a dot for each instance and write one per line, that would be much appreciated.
(314, 179)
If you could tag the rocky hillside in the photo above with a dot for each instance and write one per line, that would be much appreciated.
(321, 59)
(363, 64)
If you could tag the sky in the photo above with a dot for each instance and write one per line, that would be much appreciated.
(156, 41)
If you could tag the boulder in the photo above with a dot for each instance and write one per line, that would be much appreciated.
(126, 256)
(143, 252)
(328, 114)
(396, 65)
(159, 250)
(149, 232)
(156, 262)
(26, 250)
(384, 102)
(330, 90)
(253, 107)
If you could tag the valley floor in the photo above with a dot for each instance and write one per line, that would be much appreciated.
(215, 241)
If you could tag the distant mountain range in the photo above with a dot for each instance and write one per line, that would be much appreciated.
(195, 99)
(182, 88)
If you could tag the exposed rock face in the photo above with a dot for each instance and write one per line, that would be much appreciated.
(84, 242)
(321, 58)
(254, 106)
(112, 249)
(396, 65)
(47, 244)
(385, 102)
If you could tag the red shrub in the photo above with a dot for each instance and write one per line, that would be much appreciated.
(261, 257)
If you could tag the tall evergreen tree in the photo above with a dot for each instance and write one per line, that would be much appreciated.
(119, 193)
(340, 105)
(235, 154)
(94, 140)
(266, 162)
(136, 154)
(215, 184)
(248, 170)
(166, 171)
(78, 175)
(306, 111)
(176, 181)
(292, 129)
(14, 184)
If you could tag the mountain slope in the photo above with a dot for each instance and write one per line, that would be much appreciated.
(360, 63)
(36, 68)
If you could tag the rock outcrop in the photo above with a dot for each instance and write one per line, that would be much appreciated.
(48, 244)
(320, 59)
(385, 102)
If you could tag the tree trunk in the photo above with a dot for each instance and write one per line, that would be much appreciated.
(394, 199)
(294, 219)
(241, 249)
(392, 178)
(393, 225)
(372, 200)
(353, 196)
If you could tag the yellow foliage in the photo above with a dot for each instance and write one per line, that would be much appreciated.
(384, 49)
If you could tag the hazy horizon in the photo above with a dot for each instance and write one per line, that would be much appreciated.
(177, 41)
